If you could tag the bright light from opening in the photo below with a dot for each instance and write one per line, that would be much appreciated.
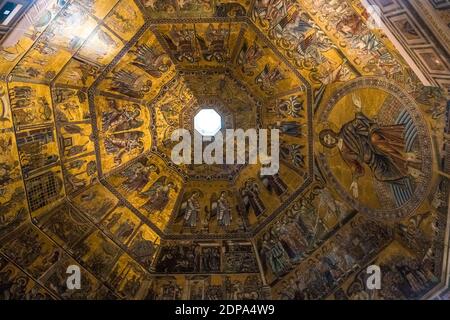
(207, 122)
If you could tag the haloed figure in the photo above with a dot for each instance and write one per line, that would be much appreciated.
(224, 216)
(190, 210)
(158, 195)
(362, 141)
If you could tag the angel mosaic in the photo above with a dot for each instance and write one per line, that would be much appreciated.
(153, 63)
(274, 183)
(220, 208)
(138, 175)
(248, 57)
(130, 84)
(182, 44)
(214, 45)
(251, 198)
(119, 144)
(121, 118)
(190, 209)
(158, 195)
(268, 78)
(271, 11)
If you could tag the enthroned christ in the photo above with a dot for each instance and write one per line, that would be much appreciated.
(362, 141)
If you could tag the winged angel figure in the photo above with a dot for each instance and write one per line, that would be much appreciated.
(190, 209)
(153, 63)
(221, 209)
(158, 195)
(138, 175)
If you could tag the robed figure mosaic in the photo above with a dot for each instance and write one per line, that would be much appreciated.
(373, 146)
(363, 141)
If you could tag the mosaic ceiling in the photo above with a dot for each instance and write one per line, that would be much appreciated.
(92, 91)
